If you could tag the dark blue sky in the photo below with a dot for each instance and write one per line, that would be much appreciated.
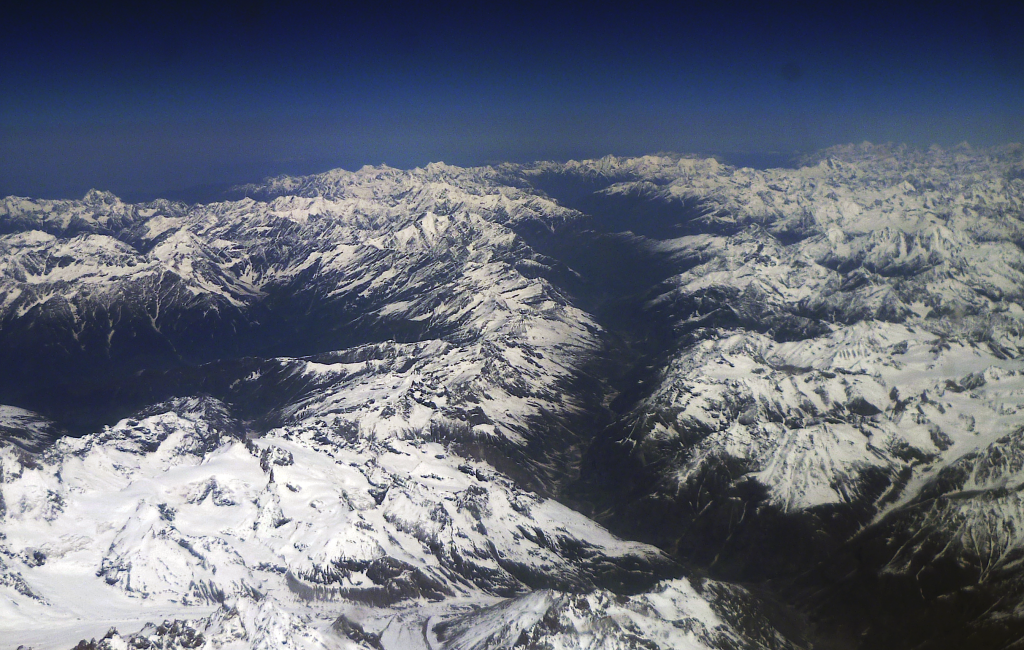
(173, 97)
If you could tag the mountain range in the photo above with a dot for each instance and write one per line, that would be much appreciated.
(653, 402)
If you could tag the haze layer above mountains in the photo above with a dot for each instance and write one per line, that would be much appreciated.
(145, 99)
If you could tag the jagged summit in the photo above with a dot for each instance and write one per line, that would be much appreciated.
(100, 197)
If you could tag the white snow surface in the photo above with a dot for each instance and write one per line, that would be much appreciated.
(265, 542)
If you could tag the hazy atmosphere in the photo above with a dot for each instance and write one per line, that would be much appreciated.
(159, 100)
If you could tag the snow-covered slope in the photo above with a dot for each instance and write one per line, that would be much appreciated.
(383, 255)
(26, 430)
(176, 516)
(844, 337)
